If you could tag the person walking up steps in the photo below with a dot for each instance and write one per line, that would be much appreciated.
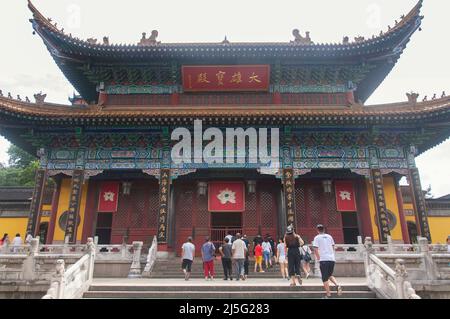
(293, 243)
(208, 251)
(305, 251)
(324, 251)
(258, 257)
(187, 256)
(246, 262)
(225, 251)
(281, 258)
(267, 251)
(238, 251)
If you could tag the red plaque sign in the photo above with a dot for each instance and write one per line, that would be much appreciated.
(225, 78)
(345, 196)
(226, 197)
(108, 197)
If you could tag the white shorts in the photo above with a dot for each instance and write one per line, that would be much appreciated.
(282, 260)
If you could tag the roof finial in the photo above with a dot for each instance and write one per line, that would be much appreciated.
(434, 97)
(225, 41)
(1, 93)
(298, 39)
(443, 94)
(19, 98)
(27, 99)
(346, 40)
(425, 98)
(105, 40)
(9, 95)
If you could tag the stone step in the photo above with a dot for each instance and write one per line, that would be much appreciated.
(221, 288)
(193, 294)
(179, 275)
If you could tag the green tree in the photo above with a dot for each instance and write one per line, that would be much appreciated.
(22, 169)
(19, 158)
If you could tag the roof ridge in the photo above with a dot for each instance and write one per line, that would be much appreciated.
(406, 19)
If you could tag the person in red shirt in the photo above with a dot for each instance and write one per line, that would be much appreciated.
(258, 257)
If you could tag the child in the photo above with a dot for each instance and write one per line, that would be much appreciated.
(258, 257)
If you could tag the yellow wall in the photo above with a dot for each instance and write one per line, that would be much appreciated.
(63, 205)
(440, 229)
(15, 225)
(12, 226)
(391, 204)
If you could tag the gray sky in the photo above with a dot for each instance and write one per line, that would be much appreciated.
(27, 67)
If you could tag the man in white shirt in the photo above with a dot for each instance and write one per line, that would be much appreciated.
(324, 251)
(239, 250)
(16, 243)
(187, 257)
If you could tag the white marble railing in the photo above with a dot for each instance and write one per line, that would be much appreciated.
(384, 281)
(151, 258)
(73, 282)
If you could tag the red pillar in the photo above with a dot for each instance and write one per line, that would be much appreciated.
(54, 212)
(363, 208)
(401, 213)
(89, 213)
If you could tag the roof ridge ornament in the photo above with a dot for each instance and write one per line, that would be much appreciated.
(40, 98)
(92, 41)
(412, 97)
(225, 41)
(151, 40)
(299, 39)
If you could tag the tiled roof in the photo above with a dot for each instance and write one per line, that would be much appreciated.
(71, 54)
(411, 20)
(393, 111)
(16, 193)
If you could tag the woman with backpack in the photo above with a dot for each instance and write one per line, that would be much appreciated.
(305, 251)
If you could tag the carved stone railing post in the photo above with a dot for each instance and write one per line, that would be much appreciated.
(29, 264)
(400, 277)
(66, 248)
(123, 250)
(390, 245)
(91, 251)
(360, 248)
(135, 270)
(428, 265)
(368, 250)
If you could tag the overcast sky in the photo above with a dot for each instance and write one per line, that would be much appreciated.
(26, 67)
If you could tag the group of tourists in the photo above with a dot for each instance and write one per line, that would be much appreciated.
(292, 254)
(16, 243)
